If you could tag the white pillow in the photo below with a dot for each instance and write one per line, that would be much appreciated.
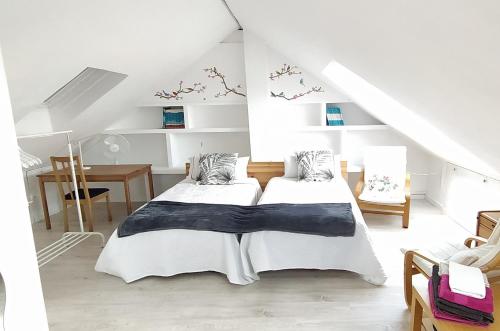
(240, 172)
(218, 168)
(240, 169)
(291, 169)
(315, 166)
(194, 168)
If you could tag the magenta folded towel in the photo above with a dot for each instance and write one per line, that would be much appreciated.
(485, 305)
(443, 315)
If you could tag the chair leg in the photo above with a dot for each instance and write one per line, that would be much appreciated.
(406, 215)
(108, 206)
(90, 218)
(408, 277)
(65, 216)
(84, 214)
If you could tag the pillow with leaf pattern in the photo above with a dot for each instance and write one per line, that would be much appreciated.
(315, 166)
(217, 168)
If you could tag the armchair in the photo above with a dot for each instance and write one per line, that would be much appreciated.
(476, 251)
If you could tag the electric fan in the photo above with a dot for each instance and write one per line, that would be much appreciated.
(113, 146)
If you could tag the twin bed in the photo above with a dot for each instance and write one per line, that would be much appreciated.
(242, 257)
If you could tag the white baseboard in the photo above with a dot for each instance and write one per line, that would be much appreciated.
(434, 202)
(418, 196)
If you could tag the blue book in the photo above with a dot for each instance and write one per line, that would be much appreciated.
(334, 116)
(173, 118)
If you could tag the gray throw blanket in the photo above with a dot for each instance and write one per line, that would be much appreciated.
(324, 219)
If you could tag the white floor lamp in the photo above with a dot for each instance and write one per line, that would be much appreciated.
(69, 239)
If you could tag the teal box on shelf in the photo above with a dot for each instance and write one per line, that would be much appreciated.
(334, 116)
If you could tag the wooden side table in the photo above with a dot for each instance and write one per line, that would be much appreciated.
(486, 222)
(420, 307)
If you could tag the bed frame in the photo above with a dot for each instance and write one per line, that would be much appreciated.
(264, 171)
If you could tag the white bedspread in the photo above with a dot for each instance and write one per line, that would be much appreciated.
(171, 252)
(272, 250)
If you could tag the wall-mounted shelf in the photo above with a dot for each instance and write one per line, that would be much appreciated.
(223, 127)
(175, 131)
(318, 128)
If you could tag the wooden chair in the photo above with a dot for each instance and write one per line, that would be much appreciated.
(421, 261)
(390, 160)
(62, 169)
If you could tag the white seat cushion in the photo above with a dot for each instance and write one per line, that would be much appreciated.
(439, 253)
(392, 197)
(385, 174)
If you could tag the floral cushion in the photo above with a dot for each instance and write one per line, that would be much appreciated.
(315, 166)
(381, 184)
(383, 189)
(217, 168)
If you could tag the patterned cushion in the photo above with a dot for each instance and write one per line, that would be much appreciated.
(381, 184)
(217, 168)
(382, 189)
(315, 166)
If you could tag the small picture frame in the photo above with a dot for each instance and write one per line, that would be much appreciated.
(173, 117)
(334, 116)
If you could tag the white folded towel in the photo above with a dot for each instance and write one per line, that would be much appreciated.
(467, 280)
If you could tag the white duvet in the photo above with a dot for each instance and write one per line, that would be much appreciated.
(272, 250)
(171, 252)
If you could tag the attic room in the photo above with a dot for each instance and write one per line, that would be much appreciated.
(250, 165)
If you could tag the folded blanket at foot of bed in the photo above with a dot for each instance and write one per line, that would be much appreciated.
(324, 219)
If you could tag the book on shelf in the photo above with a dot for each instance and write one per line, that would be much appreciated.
(173, 117)
(334, 116)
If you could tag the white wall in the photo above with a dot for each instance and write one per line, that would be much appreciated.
(275, 125)
(462, 193)
(438, 59)
(48, 43)
(25, 309)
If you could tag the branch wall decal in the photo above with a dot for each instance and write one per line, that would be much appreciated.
(314, 89)
(291, 70)
(285, 70)
(214, 73)
(176, 94)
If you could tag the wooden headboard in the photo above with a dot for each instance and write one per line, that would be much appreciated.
(264, 171)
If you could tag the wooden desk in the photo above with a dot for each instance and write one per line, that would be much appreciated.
(101, 173)
(420, 306)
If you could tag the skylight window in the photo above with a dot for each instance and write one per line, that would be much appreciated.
(81, 92)
(403, 119)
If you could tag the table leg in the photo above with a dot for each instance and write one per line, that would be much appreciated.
(150, 179)
(45, 206)
(127, 197)
(416, 314)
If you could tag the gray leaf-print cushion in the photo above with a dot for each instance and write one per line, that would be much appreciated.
(217, 168)
(315, 166)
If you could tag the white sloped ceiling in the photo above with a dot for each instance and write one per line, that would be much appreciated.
(440, 59)
(45, 44)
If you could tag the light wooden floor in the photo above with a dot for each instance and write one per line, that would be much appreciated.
(78, 298)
